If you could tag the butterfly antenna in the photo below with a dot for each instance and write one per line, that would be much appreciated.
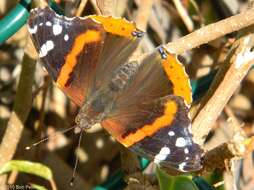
(50, 137)
(76, 159)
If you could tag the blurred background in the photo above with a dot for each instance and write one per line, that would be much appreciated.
(46, 110)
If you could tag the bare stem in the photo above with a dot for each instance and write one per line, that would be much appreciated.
(143, 13)
(22, 107)
(228, 79)
(184, 15)
(211, 32)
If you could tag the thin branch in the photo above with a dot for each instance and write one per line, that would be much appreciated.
(184, 15)
(143, 13)
(211, 32)
(107, 7)
(215, 159)
(238, 146)
(228, 79)
(22, 107)
(81, 7)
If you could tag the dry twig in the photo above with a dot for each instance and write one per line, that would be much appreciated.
(236, 147)
(143, 14)
(22, 107)
(238, 63)
(81, 7)
(107, 7)
(211, 32)
(184, 15)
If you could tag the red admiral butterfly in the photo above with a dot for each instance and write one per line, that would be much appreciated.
(143, 105)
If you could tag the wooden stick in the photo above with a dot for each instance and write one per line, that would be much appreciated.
(184, 15)
(22, 107)
(238, 63)
(81, 7)
(211, 32)
(143, 13)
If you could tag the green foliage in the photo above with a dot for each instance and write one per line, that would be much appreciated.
(167, 182)
(37, 187)
(27, 167)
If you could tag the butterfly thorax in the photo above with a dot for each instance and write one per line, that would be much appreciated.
(122, 76)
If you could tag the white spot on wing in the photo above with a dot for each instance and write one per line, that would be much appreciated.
(66, 37)
(32, 30)
(162, 155)
(181, 166)
(57, 29)
(46, 47)
(41, 24)
(171, 133)
(186, 151)
(48, 23)
(180, 142)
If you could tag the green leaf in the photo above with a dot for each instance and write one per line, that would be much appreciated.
(37, 187)
(27, 167)
(168, 182)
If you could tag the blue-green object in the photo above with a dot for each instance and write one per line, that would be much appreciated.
(99, 188)
(14, 20)
(55, 7)
(202, 184)
(114, 182)
(143, 163)
(18, 16)
(201, 85)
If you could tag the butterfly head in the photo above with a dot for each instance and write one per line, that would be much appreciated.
(95, 109)
(83, 122)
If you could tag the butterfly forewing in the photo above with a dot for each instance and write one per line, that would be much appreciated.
(80, 52)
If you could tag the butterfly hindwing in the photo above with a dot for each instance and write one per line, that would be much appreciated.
(155, 122)
(172, 145)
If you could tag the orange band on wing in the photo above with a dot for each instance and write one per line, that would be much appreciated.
(71, 59)
(116, 26)
(177, 75)
(148, 130)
